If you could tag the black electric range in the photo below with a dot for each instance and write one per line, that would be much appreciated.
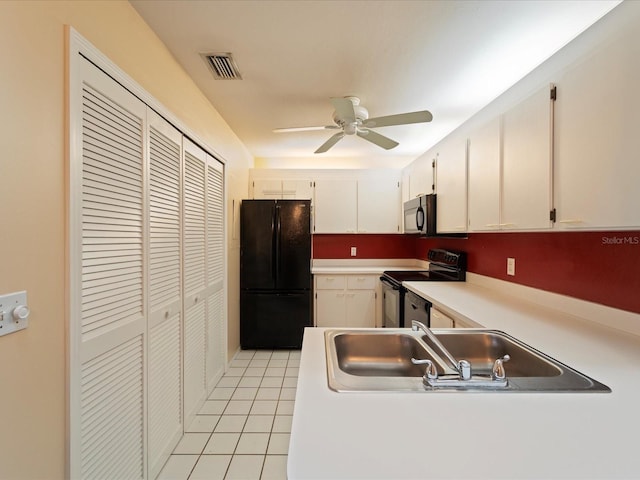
(444, 266)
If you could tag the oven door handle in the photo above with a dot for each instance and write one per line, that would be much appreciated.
(385, 280)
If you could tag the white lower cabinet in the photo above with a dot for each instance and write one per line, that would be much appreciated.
(346, 301)
(440, 320)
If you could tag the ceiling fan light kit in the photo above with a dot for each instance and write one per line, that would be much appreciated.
(353, 119)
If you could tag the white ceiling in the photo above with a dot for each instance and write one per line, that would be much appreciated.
(449, 57)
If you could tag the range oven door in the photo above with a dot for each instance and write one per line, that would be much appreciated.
(391, 304)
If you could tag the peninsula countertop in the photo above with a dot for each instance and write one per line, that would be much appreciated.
(483, 435)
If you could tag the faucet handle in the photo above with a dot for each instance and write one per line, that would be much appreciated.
(498, 372)
(464, 369)
(431, 373)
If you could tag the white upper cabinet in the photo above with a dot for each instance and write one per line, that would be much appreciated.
(484, 177)
(344, 201)
(597, 141)
(267, 189)
(297, 189)
(336, 205)
(279, 189)
(451, 186)
(527, 163)
(421, 177)
(379, 204)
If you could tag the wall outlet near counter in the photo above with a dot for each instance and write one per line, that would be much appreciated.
(511, 266)
(353, 251)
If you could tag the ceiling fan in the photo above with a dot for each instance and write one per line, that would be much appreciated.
(353, 119)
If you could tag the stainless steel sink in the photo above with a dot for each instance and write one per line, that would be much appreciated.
(376, 355)
(376, 360)
(380, 360)
(481, 348)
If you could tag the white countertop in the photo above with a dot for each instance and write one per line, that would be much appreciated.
(364, 266)
(435, 435)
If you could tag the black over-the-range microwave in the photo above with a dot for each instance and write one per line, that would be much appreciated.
(420, 217)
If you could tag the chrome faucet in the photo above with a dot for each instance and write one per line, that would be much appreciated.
(498, 378)
(462, 367)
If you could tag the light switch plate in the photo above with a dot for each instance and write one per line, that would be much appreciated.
(353, 251)
(14, 313)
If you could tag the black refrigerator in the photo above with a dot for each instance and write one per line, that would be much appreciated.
(275, 273)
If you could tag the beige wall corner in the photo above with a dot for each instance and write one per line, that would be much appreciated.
(32, 200)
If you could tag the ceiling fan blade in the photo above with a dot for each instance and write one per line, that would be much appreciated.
(399, 119)
(330, 143)
(378, 139)
(344, 109)
(305, 129)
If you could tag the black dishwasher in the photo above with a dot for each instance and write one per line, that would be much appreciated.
(416, 308)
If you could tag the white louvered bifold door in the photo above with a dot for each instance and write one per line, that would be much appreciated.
(216, 347)
(195, 281)
(165, 292)
(108, 324)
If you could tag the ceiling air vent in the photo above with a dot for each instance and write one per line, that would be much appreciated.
(222, 66)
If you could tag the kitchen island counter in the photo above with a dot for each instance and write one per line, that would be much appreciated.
(477, 435)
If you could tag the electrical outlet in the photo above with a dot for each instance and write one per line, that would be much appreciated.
(353, 251)
(511, 266)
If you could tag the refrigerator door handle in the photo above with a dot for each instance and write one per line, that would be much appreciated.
(277, 246)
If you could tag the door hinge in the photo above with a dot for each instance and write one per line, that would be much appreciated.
(553, 93)
(552, 215)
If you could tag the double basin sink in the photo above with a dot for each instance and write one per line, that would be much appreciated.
(381, 360)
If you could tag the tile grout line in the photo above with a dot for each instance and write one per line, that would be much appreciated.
(278, 404)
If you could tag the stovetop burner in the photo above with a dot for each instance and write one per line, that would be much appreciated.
(444, 266)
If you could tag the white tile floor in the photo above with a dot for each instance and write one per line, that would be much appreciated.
(242, 431)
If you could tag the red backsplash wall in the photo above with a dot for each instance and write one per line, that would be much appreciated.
(368, 246)
(601, 267)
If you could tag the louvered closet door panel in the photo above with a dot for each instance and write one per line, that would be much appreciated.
(215, 223)
(165, 391)
(107, 329)
(165, 292)
(216, 338)
(112, 412)
(194, 219)
(194, 238)
(194, 359)
(165, 154)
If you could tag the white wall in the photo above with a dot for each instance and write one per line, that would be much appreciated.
(32, 200)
